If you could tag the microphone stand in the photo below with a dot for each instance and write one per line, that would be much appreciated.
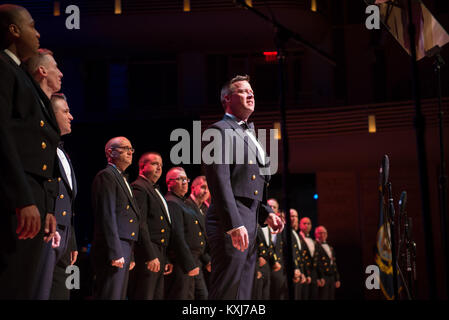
(405, 238)
(282, 35)
(419, 123)
(393, 241)
(408, 256)
(442, 182)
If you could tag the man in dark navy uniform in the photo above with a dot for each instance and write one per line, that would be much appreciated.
(46, 73)
(238, 190)
(116, 225)
(190, 243)
(62, 252)
(29, 136)
(199, 194)
(327, 265)
(147, 278)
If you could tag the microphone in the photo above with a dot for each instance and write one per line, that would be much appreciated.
(385, 170)
(402, 203)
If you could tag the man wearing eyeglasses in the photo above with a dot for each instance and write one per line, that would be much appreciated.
(186, 250)
(238, 197)
(116, 225)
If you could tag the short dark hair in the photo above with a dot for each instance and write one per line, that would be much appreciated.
(144, 158)
(37, 60)
(58, 95)
(9, 14)
(227, 87)
(198, 180)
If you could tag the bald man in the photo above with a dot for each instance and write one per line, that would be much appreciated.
(29, 136)
(116, 225)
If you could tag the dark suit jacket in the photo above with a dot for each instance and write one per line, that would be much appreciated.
(309, 261)
(64, 206)
(324, 265)
(191, 239)
(200, 220)
(232, 184)
(154, 216)
(29, 136)
(116, 214)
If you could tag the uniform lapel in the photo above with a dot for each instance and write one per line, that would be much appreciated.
(150, 189)
(121, 182)
(242, 134)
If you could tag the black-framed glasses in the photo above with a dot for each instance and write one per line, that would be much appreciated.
(126, 148)
(183, 180)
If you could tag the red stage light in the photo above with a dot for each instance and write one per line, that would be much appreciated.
(270, 56)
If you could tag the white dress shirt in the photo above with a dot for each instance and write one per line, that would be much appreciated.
(66, 166)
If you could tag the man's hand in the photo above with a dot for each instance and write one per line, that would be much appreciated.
(118, 263)
(209, 267)
(153, 265)
(296, 276)
(168, 269)
(259, 275)
(56, 241)
(132, 264)
(73, 257)
(320, 282)
(240, 239)
(194, 272)
(337, 284)
(262, 261)
(50, 227)
(309, 280)
(275, 223)
(28, 222)
(277, 266)
(303, 278)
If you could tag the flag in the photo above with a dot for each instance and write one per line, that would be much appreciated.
(383, 257)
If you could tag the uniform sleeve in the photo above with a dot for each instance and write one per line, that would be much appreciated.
(104, 199)
(144, 240)
(14, 187)
(219, 180)
(178, 242)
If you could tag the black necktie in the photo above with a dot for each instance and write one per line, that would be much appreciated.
(246, 125)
